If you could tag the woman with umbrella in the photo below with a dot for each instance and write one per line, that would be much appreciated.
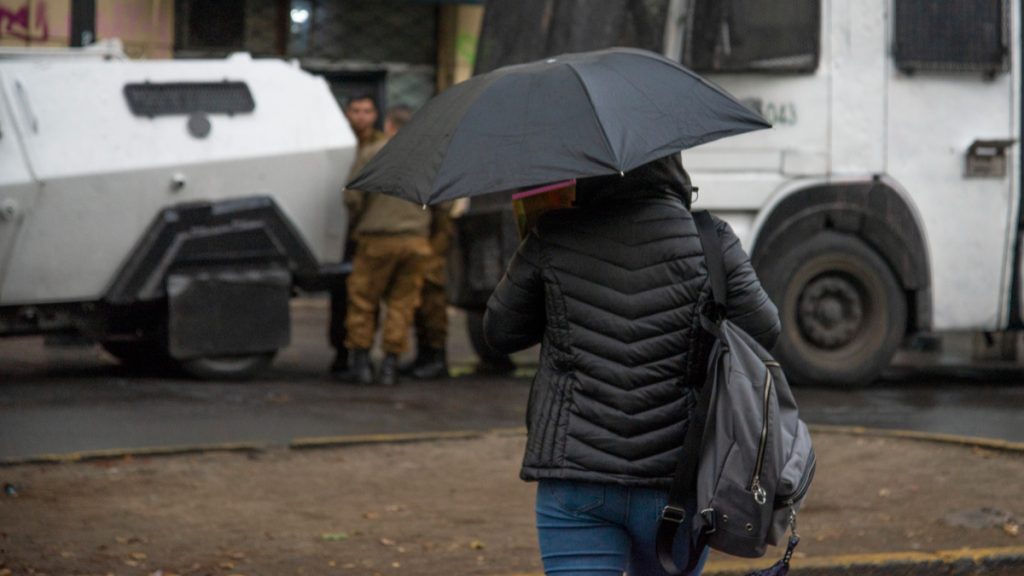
(610, 288)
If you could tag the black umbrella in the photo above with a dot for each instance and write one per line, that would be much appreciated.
(571, 116)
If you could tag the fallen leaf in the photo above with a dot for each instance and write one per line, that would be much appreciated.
(237, 555)
(226, 565)
(387, 542)
(332, 563)
(396, 564)
(334, 536)
(885, 493)
(371, 515)
(395, 508)
(984, 453)
(1011, 528)
(476, 545)
(138, 555)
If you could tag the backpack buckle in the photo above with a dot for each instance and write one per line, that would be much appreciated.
(673, 514)
(708, 514)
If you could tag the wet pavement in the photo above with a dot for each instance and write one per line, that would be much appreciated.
(57, 399)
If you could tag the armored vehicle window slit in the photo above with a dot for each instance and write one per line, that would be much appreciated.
(183, 98)
(952, 35)
(766, 36)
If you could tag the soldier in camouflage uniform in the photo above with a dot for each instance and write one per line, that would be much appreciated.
(361, 112)
(432, 316)
(393, 248)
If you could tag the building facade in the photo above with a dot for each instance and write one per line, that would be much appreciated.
(401, 51)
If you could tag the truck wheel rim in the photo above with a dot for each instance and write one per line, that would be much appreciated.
(846, 293)
(830, 310)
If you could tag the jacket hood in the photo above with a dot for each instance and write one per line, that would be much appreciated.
(661, 178)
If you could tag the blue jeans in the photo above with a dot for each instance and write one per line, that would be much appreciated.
(603, 529)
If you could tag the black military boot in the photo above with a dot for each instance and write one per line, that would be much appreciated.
(434, 365)
(387, 375)
(361, 370)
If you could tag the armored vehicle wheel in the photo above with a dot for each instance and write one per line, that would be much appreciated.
(490, 361)
(843, 311)
(233, 368)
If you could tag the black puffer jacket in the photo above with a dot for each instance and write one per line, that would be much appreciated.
(611, 289)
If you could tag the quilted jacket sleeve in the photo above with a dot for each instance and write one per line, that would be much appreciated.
(748, 304)
(515, 312)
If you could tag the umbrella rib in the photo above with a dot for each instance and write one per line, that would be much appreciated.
(607, 141)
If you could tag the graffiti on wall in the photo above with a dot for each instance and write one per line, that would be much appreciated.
(17, 22)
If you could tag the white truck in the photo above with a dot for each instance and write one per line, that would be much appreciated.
(167, 209)
(886, 200)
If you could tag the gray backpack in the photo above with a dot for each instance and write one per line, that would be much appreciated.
(755, 460)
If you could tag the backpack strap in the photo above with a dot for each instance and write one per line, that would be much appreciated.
(681, 502)
(713, 256)
(684, 482)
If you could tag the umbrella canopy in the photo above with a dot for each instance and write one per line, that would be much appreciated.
(570, 116)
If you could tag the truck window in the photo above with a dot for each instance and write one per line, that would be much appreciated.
(170, 98)
(752, 35)
(951, 35)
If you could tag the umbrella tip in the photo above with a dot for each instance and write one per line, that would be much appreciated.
(424, 206)
(622, 174)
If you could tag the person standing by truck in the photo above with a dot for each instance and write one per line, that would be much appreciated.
(392, 247)
(431, 320)
(361, 113)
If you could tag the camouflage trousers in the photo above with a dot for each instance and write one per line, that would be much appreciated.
(388, 270)
(432, 315)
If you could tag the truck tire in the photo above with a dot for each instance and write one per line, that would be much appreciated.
(843, 311)
(230, 368)
(490, 361)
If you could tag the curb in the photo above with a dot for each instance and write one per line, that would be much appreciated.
(1005, 561)
(990, 561)
(955, 439)
(118, 453)
(404, 438)
(305, 443)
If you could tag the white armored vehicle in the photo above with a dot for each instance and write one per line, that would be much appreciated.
(167, 209)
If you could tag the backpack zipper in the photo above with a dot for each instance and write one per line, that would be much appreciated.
(801, 489)
(760, 496)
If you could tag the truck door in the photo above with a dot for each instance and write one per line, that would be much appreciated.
(950, 142)
(17, 186)
(767, 53)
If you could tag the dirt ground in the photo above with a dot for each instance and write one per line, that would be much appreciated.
(448, 507)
